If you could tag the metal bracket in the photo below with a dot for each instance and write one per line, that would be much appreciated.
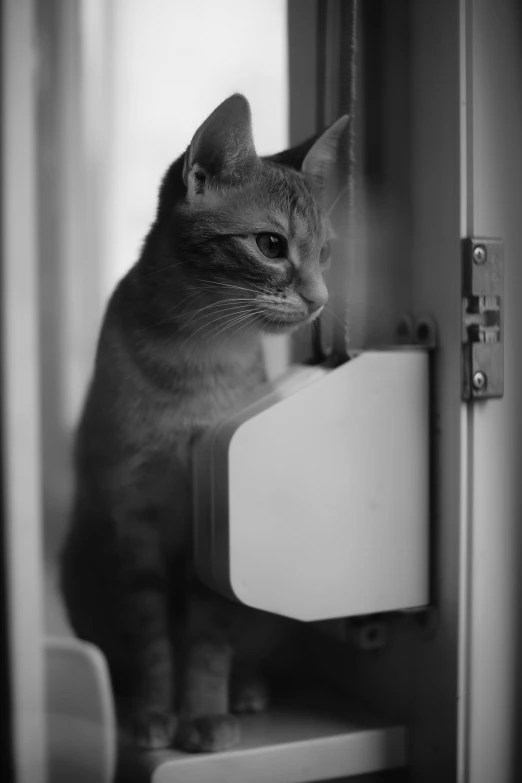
(420, 330)
(482, 318)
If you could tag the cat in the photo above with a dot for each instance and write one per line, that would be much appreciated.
(237, 249)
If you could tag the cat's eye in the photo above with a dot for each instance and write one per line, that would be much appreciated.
(271, 245)
(325, 254)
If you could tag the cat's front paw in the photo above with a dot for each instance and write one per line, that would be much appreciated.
(208, 733)
(149, 728)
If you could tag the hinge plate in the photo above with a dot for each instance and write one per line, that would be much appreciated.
(482, 318)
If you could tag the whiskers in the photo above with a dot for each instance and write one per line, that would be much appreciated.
(241, 312)
(219, 285)
(237, 310)
(220, 325)
(157, 271)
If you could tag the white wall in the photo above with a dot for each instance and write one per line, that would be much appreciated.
(171, 63)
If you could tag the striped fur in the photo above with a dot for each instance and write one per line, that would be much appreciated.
(179, 347)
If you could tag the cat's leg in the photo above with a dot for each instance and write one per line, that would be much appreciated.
(205, 722)
(143, 670)
(260, 641)
(249, 691)
(145, 697)
(115, 590)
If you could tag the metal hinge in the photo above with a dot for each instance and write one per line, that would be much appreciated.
(482, 318)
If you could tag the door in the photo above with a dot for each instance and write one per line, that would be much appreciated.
(441, 130)
(491, 569)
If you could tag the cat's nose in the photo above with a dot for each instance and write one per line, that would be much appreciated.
(315, 297)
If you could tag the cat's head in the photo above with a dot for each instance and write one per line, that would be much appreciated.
(252, 233)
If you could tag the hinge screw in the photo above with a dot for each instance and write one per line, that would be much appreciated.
(479, 254)
(479, 380)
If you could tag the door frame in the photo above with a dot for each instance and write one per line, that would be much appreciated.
(21, 469)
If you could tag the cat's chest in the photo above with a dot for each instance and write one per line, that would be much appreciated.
(221, 393)
(199, 402)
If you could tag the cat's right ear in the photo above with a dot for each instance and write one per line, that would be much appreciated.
(320, 164)
(222, 147)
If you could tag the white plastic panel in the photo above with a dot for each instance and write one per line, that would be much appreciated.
(319, 502)
(210, 484)
(81, 727)
(295, 743)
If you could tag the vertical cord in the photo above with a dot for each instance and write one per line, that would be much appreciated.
(347, 105)
(319, 353)
(337, 94)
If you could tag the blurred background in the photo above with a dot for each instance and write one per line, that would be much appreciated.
(99, 97)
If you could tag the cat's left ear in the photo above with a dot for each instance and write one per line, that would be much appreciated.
(222, 147)
(321, 163)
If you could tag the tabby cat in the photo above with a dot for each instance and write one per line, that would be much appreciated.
(236, 249)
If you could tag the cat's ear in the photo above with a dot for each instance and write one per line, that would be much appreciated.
(294, 157)
(321, 162)
(222, 147)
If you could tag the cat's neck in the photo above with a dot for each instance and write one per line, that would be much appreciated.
(204, 352)
(216, 361)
